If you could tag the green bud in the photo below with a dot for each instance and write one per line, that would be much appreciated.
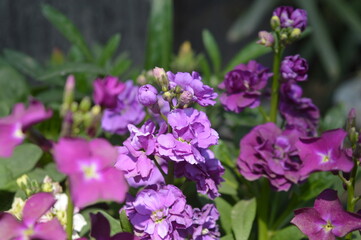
(74, 107)
(167, 96)
(23, 181)
(296, 33)
(178, 89)
(275, 22)
(96, 110)
(85, 104)
(284, 37)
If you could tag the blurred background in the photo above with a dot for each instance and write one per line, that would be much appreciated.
(33, 41)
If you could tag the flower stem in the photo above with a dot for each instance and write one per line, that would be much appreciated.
(275, 83)
(69, 215)
(262, 210)
(351, 199)
(170, 176)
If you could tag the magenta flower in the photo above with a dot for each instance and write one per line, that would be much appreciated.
(243, 86)
(205, 225)
(291, 17)
(327, 219)
(159, 213)
(31, 226)
(90, 167)
(324, 153)
(294, 68)
(107, 90)
(13, 127)
(128, 110)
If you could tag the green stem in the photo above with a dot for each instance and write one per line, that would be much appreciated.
(69, 215)
(351, 199)
(262, 210)
(275, 83)
(159, 168)
(170, 176)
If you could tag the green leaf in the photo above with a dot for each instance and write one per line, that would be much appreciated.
(212, 49)
(251, 51)
(114, 223)
(124, 222)
(290, 232)
(67, 28)
(228, 237)
(242, 215)
(22, 62)
(160, 35)
(334, 118)
(109, 49)
(205, 69)
(121, 65)
(6, 200)
(224, 209)
(70, 68)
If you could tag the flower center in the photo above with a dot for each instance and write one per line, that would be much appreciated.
(158, 216)
(325, 159)
(90, 171)
(328, 226)
(18, 133)
(205, 231)
(28, 232)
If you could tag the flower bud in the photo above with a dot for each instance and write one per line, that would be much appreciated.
(185, 98)
(275, 22)
(265, 38)
(85, 104)
(167, 96)
(161, 78)
(147, 95)
(158, 73)
(295, 34)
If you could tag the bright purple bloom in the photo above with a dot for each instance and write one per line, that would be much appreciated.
(324, 153)
(147, 95)
(101, 229)
(13, 127)
(294, 68)
(127, 111)
(192, 126)
(107, 90)
(243, 86)
(31, 226)
(202, 94)
(327, 219)
(291, 17)
(207, 175)
(90, 167)
(298, 112)
(205, 225)
(270, 152)
(159, 213)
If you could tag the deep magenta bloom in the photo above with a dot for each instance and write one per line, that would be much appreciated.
(31, 226)
(243, 86)
(90, 167)
(298, 112)
(205, 225)
(270, 152)
(13, 127)
(291, 17)
(327, 219)
(159, 213)
(106, 91)
(324, 153)
(294, 68)
(202, 94)
(147, 95)
(127, 111)
(192, 126)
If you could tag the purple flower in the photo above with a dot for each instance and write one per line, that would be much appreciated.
(159, 213)
(147, 95)
(324, 153)
(327, 219)
(298, 112)
(13, 127)
(269, 152)
(291, 17)
(294, 68)
(207, 175)
(128, 110)
(205, 225)
(31, 226)
(90, 167)
(106, 91)
(192, 126)
(202, 94)
(243, 86)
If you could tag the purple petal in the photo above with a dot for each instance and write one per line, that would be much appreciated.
(309, 221)
(49, 230)
(10, 227)
(36, 206)
(100, 226)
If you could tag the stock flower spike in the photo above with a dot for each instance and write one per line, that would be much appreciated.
(243, 86)
(291, 17)
(31, 226)
(128, 110)
(91, 171)
(106, 91)
(14, 126)
(327, 219)
(294, 68)
(324, 153)
(205, 225)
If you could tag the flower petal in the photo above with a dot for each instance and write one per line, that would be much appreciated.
(36, 206)
(49, 230)
(10, 227)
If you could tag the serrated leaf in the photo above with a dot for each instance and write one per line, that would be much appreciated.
(109, 49)
(67, 28)
(224, 209)
(290, 232)
(242, 216)
(24, 63)
(212, 50)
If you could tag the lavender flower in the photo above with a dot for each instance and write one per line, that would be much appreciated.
(128, 110)
(291, 17)
(324, 153)
(159, 213)
(243, 86)
(294, 68)
(106, 91)
(327, 219)
(205, 225)
(13, 127)
(270, 152)
(147, 95)
(31, 227)
(90, 167)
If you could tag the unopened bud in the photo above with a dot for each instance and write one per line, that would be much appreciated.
(185, 98)
(167, 96)
(284, 37)
(23, 181)
(74, 107)
(178, 89)
(296, 33)
(351, 119)
(275, 22)
(158, 73)
(265, 38)
(96, 110)
(85, 104)
(147, 95)
(141, 79)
